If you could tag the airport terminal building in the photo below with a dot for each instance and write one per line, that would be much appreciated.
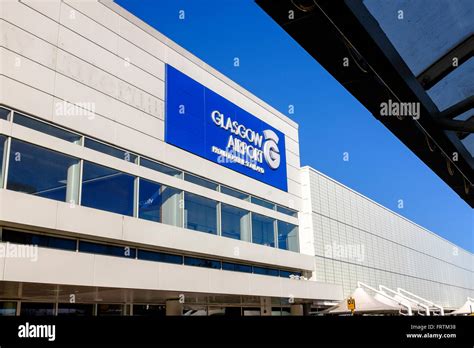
(149, 181)
(151, 184)
(355, 239)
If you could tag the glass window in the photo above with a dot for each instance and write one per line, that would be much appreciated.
(159, 203)
(287, 274)
(149, 310)
(200, 181)
(107, 189)
(7, 309)
(104, 249)
(110, 150)
(42, 172)
(287, 211)
(235, 222)
(4, 114)
(200, 213)
(236, 267)
(234, 193)
(109, 310)
(266, 271)
(160, 257)
(45, 128)
(33, 309)
(452, 88)
(431, 31)
(194, 261)
(149, 203)
(262, 230)
(287, 236)
(37, 239)
(262, 203)
(3, 157)
(160, 168)
(75, 309)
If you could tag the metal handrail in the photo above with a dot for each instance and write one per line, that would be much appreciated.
(361, 284)
(418, 304)
(422, 299)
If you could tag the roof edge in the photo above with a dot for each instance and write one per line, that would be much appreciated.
(113, 6)
(309, 168)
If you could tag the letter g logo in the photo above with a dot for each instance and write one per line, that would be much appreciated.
(271, 153)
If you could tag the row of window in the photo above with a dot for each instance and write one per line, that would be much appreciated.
(32, 309)
(134, 253)
(76, 138)
(46, 173)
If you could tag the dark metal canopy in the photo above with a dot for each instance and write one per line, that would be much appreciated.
(402, 55)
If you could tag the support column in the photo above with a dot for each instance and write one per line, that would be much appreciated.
(306, 309)
(296, 309)
(73, 183)
(173, 307)
(265, 306)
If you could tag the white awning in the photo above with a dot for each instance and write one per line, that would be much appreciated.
(465, 309)
(364, 304)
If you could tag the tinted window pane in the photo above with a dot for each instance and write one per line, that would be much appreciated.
(234, 193)
(41, 172)
(236, 267)
(36, 309)
(107, 189)
(287, 274)
(105, 249)
(45, 128)
(266, 271)
(262, 202)
(287, 211)
(200, 213)
(75, 309)
(149, 204)
(149, 310)
(109, 150)
(452, 89)
(37, 239)
(160, 257)
(235, 222)
(109, 310)
(53, 242)
(287, 236)
(159, 203)
(160, 167)
(7, 309)
(4, 113)
(200, 181)
(194, 261)
(262, 230)
(2, 157)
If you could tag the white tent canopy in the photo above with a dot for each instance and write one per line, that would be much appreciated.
(364, 304)
(465, 309)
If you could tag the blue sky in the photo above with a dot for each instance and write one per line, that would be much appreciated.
(332, 121)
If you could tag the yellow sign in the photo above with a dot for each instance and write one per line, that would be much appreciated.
(351, 304)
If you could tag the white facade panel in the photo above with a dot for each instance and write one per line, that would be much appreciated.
(93, 56)
(386, 248)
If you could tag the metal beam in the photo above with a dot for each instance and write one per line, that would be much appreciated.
(457, 125)
(349, 28)
(444, 65)
(458, 109)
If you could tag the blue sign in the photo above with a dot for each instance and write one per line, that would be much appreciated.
(200, 121)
